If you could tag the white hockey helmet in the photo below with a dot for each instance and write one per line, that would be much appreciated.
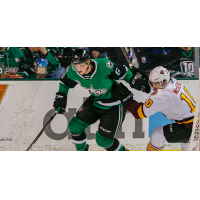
(159, 74)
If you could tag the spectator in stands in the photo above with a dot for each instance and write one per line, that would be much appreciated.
(65, 56)
(150, 57)
(116, 55)
(113, 53)
(12, 63)
(49, 53)
(178, 60)
(97, 52)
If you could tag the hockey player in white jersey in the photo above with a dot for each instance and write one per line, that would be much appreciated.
(172, 99)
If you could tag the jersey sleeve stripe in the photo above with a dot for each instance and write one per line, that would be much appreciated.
(140, 112)
(61, 82)
(186, 122)
(150, 147)
(133, 107)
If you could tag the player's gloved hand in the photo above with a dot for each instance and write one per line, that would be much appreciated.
(121, 92)
(60, 101)
(135, 70)
(140, 84)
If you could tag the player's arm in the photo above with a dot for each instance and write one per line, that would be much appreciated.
(139, 110)
(65, 84)
(121, 72)
(52, 59)
(24, 72)
(143, 110)
(136, 109)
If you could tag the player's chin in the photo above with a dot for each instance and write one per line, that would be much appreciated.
(80, 72)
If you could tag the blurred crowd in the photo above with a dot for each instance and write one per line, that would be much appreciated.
(52, 62)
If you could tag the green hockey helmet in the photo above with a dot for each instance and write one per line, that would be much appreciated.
(80, 56)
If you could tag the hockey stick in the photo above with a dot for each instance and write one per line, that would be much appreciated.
(126, 56)
(35, 140)
(133, 69)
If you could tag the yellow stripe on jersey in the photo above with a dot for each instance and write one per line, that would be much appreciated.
(152, 149)
(186, 122)
(140, 112)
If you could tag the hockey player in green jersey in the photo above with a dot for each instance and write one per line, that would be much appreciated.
(97, 76)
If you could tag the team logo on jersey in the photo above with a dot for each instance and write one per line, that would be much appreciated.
(161, 72)
(17, 59)
(143, 59)
(109, 65)
(96, 92)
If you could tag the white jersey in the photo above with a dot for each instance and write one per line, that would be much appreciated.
(174, 101)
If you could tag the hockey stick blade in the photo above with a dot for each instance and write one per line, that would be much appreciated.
(35, 140)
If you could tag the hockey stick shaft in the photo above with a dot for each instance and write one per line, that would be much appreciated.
(130, 64)
(40, 133)
(126, 56)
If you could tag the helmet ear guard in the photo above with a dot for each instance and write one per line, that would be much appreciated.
(159, 74)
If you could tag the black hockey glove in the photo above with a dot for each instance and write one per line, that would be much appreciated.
(60, 101)
(121, 92)
(135, 70)
(140, 84)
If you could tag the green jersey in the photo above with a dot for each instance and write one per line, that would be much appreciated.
(96, 82)
(52, 52)
(10, 59)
